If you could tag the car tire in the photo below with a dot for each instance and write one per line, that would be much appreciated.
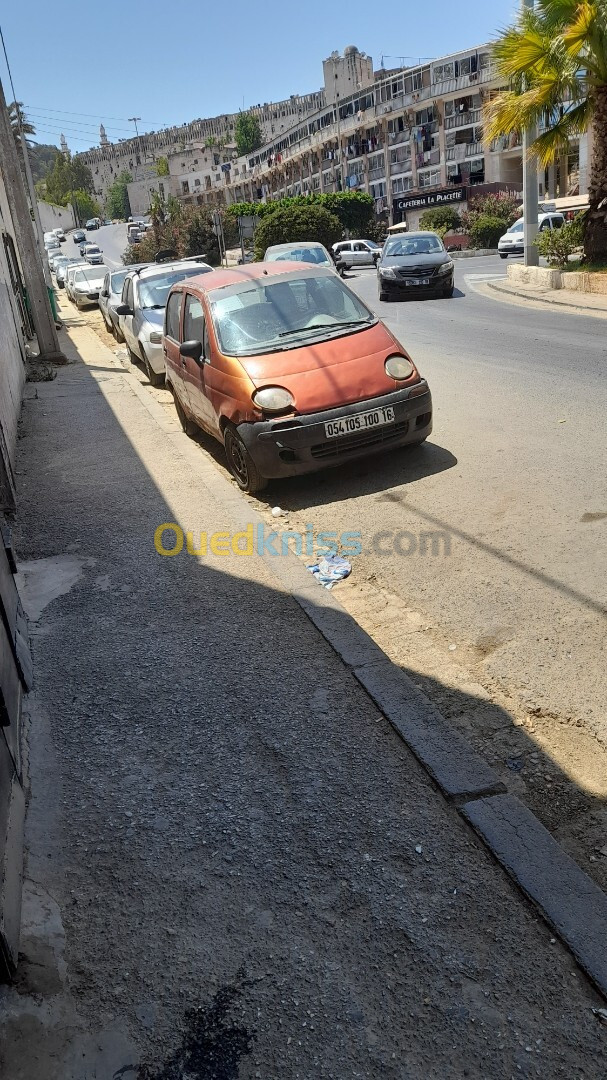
(448, 292)
(502, 256)
(133, 358)
(154, 378)
(189, 427)
(241, 464)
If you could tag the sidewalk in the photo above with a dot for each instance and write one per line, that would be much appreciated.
(568, 299)
(235, 868)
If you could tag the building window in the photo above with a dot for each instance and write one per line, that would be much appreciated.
(197, 183)
(402, 183)
(185, 187)
(377, 190)
(429, 179)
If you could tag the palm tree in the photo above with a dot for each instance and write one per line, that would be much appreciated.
(554, 60)
(19, 122)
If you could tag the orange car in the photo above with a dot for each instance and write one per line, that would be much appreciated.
(285, 366)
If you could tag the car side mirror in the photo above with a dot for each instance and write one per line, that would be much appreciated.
(124, 309)
(193, 349)
(105, 293)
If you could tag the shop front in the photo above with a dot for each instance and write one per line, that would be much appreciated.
(409, 208)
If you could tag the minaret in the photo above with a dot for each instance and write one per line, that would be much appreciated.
(64, 146)
(102, 136)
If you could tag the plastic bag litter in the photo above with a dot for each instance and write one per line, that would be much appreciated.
(330, 569)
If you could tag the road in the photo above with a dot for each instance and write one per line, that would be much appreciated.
(111, 240)
(515, 473)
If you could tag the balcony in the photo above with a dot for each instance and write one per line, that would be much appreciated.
(396, 137)
(463, 119)
(506, 142)
(474, 149)
(397, 168)
(377, 174)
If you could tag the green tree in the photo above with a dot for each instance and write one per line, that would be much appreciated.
(117, 203)
(556, 245)
(67, 175)
(554, 59)
(86, 206)
(42, 159)
(19, 122)
(485, 230)
(162, 166)
(248, 133)
(287, 224)
(440, 217)
(488, 217)
(354, 209)
(188, 230)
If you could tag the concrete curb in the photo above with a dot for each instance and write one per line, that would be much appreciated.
(565, 896)
(521, 294)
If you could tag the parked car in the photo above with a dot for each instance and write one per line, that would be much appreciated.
(49, 236)
(52, 255)
(58, 262)
(52, 244)
(92, 224)
(59, 233)
(300, 252)
(69, 275)
(513, 241)
(93, 254)
(61, 269)
(414, 263)
(87, 284)
(290, 370)
(357, 252)
(141, 311)
(110, 297)
(78, 236)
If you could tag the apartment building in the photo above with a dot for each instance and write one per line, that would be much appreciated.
(412, 138)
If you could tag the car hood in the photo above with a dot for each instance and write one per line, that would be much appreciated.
(326, 374)
(154, 316)
(91, 284)
(431, 260)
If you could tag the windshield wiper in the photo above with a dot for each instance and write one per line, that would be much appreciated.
(325, 326)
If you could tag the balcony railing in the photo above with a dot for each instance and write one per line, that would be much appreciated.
(463, 119)
(474, 149)
(396, 137)
(399, 167)
(377, 174)
(506, 142)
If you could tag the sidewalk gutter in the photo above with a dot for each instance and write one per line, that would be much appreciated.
(567, 898)
(554, 297)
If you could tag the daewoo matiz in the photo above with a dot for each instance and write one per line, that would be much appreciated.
(286, 367)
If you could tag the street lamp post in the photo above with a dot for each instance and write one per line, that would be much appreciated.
(530, 193)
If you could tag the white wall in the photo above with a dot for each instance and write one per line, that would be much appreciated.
(140, 192)
(55, 217)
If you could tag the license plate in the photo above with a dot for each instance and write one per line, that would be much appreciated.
(417, 281)
(348, 425)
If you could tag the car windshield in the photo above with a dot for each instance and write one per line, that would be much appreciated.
(302, 254)
(117, 280)
(259, 317)
(413, 245)
(90, 274)
(92, 249)
(153, 292)
(517, 227)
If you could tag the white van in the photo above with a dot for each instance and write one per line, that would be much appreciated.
(512, 242)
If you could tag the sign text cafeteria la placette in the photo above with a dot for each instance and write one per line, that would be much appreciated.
(433, 198)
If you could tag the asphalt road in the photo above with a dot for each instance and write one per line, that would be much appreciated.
(515, 473)
(110, 238)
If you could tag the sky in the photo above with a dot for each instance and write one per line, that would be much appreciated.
(171, 63)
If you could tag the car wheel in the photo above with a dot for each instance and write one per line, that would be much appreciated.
(188, 426)
(154, 378)
(241, 464)
(502, 256)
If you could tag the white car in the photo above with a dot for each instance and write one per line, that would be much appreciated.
(512, 242)
(87, 284)
(357, 252)
(59, 233)
(69, 275)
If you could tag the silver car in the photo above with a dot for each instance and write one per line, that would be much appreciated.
(111, 295)
(61, 268)
(141, 311)
(357, 252)
(87, 284)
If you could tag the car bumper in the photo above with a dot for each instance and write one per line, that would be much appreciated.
(84, 299)
(397, 285)
(155, 356)
(510, 249)
(299, 445)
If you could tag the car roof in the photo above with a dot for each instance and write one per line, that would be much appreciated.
(296, 245)
(151, 270)
(240, 275)
(421, 232)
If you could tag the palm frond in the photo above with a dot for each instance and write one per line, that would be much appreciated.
(549, 146)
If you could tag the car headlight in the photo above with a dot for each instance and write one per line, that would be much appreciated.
(398, 367)
(445, 268)
(273, 399)
(387, 271)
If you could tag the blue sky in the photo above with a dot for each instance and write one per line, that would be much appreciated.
(169, 62)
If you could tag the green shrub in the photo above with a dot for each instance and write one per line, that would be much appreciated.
(354, 209)
(440, 217)
(485, 230)
(288, 224)
(556, 245)
(188, 231)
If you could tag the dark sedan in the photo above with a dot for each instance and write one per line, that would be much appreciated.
(78, 236)
(414, 263)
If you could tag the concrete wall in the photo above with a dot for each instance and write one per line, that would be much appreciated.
(140, 192)
(55, 217)
(12, 366)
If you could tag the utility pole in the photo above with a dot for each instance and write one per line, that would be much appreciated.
(531, 253)
(31, 260)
